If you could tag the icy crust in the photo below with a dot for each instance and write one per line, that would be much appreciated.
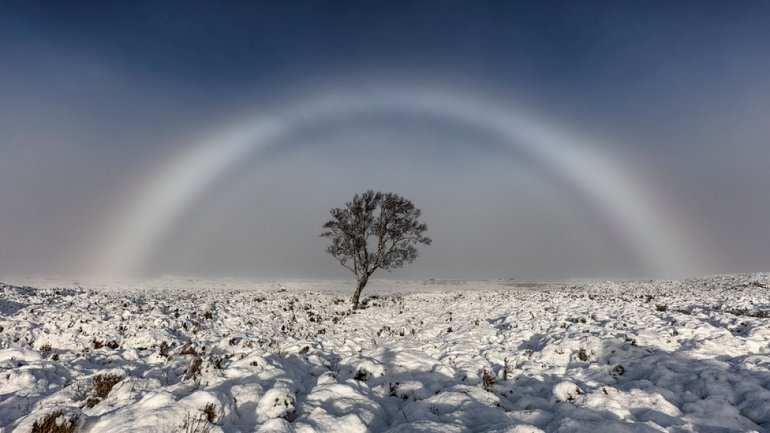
(686, 356)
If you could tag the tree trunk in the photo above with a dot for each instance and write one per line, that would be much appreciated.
(357, 295)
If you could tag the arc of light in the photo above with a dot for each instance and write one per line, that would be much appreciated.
(607, 183)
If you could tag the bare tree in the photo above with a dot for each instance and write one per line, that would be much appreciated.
(374, 231)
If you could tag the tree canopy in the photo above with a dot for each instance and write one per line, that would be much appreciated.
(375, 231)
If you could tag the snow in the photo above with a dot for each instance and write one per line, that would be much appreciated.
(421, 356)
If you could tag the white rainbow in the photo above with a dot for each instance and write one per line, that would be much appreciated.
(610, 185)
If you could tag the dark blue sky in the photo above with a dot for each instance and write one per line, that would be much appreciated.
(94, 94)
(610, 49)
(640, 64)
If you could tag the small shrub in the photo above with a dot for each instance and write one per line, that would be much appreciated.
(619, 370)
(488, 381)
(661, 307)
(50, 424)
(210, 410)
(45, 350)
(362, 375)
(194, 370)
(188, 349)
(103, 384)
(164, 349)
(217, 361)
(204, 422)
(582, 355)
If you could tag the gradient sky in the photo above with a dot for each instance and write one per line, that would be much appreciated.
(98, 99)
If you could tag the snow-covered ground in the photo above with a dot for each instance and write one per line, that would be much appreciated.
(425, 356)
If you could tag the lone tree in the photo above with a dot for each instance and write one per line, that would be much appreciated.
(374, 231)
